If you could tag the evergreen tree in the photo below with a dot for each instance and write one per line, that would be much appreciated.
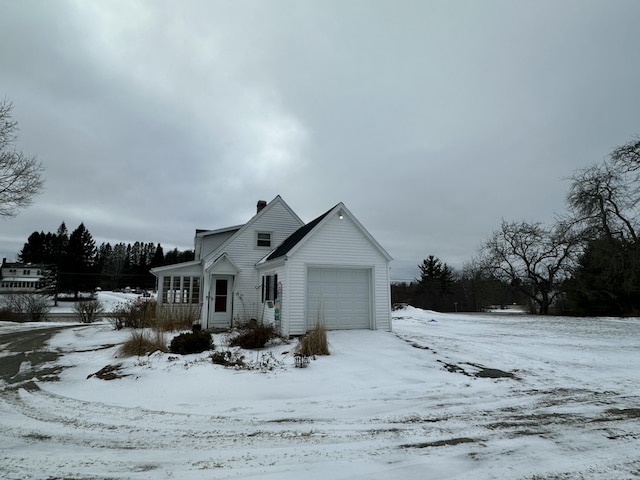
(435, 284)
(158, 257)
(176, 256)
(60, 246)
(39, 248)
(435, 273)
(80, 261)
(33, 250)
(606, 280)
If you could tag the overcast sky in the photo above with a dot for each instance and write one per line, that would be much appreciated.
(431, 120)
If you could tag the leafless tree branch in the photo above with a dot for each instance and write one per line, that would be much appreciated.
(20, 174)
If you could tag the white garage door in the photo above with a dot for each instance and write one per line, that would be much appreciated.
(342, 296)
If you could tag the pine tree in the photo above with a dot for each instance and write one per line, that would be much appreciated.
(433, 271)
(33, 250)
(158, 257)
(435, 283)
(60, 243)
(80, 260)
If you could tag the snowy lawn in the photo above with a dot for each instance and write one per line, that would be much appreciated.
(444, 396)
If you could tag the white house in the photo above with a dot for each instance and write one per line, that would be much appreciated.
(23, 277)
(278, 270)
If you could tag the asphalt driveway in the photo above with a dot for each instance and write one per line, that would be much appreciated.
(28, 348)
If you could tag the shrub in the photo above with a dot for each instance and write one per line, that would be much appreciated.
(192, 342)
(314, 342)
(27, 307)
(132, 315)
(125, 315)
(228, 358)
(6, 314)
(267, 362)
(253, 335)
(88, 310)
(144, 342)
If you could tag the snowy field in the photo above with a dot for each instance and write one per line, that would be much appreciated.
(444, 396)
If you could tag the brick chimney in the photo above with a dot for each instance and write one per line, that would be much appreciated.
(261, 205)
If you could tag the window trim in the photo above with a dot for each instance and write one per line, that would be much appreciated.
(263, 240)
(181, 289)
(269, 287)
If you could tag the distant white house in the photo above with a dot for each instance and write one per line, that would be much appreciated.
(23, 277)
(277, 269)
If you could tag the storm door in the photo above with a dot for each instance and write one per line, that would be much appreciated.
(220, 301)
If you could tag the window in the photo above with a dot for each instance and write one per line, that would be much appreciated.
(180, 289)
(220, 301)
(263, 239)
(269, 287)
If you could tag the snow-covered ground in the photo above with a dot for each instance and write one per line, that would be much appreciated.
(444, 396)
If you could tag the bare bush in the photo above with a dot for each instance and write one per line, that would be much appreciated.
(229, 358)
(88, 310)
(266, 362)
(253, 335)
(27, 307)
(130, 315)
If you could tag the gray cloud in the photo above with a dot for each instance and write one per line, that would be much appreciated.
(431, 120)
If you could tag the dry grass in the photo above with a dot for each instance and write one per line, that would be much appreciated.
(169, 319)
(144, 342)
(314, 342)
(165, 318)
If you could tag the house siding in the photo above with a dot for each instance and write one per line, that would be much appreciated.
(338, 243)
(277, 220)
(267, 315)
(208, 243)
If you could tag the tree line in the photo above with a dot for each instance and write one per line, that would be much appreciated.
(585, 262)
(81, 266)
(443, 289)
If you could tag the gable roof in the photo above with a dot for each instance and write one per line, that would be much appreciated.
(298, 237)
(223, 264)
(277, 200)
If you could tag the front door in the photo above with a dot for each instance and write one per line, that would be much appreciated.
(220, 301)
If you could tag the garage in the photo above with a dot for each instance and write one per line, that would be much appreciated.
(342, 296)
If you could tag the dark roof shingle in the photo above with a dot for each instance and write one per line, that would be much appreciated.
(293, 239)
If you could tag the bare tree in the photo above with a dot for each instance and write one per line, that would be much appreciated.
(20, 174)
(627, 157)
(604, 204)
(604, 199)
(532, 258)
